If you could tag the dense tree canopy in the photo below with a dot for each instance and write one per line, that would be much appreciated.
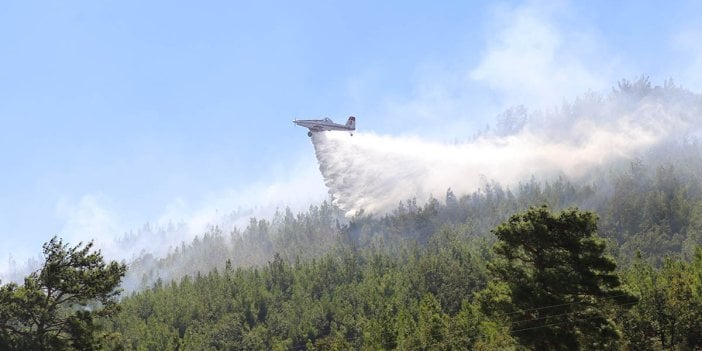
(669, 315)
(413, 279)
(416, 278)
(437, 296)
(347, 299)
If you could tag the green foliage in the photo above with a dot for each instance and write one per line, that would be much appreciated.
(559, 279)
(669, 315)
(344, 300)
(416, 278)
(652, 205)
(305, 235)
(407, 295)
(56, 307)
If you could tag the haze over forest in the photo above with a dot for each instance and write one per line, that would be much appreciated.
(427, 222)
(588, 143)
(583, 141)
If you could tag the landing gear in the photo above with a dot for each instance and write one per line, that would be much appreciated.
(309, 134)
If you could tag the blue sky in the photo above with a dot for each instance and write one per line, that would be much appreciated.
(118, 113)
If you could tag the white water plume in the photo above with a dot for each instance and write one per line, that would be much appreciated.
(374, 173)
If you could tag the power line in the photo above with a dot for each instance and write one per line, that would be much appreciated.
(457, 332)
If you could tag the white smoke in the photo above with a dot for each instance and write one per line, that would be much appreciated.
(226, 209)
(374, 173)
(95, 217)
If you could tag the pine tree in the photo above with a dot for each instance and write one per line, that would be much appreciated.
(56, 307)
(561, 283)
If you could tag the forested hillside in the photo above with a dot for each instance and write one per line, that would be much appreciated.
(608, 258)
(422, 277)
(651, 204)
(443, 294)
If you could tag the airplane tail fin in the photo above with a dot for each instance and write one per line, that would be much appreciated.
(351, 123)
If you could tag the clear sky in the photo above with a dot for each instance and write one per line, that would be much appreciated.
(118, 113)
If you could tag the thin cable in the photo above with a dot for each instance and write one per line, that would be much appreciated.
(351, 339)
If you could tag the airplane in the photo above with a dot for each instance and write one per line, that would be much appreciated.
(321, 125)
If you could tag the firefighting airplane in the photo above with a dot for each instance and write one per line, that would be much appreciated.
(321, 125)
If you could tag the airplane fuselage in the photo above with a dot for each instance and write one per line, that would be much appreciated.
(326, 124)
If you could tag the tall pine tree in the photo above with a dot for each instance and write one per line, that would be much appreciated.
(560, 280)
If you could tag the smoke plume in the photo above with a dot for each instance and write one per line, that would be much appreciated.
(374, 173)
